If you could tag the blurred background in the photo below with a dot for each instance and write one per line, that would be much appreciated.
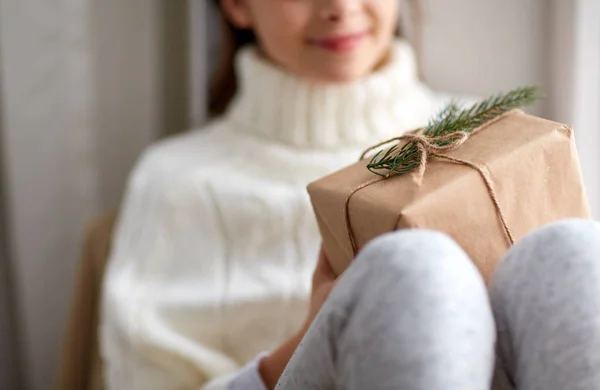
(85, 85)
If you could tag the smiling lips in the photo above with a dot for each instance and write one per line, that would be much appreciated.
(340, 43)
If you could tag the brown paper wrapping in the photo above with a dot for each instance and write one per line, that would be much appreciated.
(533, 164)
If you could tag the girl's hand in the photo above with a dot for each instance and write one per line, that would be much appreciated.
(271, 366)
(322, 284)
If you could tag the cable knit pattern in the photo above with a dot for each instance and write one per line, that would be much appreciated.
(216, 243)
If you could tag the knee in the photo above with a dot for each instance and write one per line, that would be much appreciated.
(571, 241)
(430, 257)
(565, 233)
(567, 250)
(413, 268)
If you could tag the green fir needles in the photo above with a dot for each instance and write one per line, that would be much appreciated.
(451, 120)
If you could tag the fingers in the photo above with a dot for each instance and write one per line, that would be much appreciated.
(323, 272)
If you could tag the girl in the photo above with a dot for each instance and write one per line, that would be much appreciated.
(209, 282)
(216, 243)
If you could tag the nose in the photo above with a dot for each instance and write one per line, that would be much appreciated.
(338, 10)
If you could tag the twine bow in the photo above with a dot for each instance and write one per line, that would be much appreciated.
(427, 146)
(434, 146)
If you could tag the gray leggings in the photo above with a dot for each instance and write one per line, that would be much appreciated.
(413, 313)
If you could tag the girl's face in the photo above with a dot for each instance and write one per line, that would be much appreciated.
(323, 40)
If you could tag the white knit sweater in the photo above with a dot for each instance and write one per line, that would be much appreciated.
(216, 243)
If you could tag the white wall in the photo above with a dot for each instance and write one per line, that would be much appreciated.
(46, 132)
(79, 95)
(585, 93)
(126, 78)
(482, 47)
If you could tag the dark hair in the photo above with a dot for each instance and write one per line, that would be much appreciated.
(224, 82)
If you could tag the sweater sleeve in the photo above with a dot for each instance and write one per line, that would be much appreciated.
(247, 378)
(162, 325)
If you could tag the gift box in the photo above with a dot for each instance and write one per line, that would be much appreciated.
(486, 190)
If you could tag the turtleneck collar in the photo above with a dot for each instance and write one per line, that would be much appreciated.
(276, 105)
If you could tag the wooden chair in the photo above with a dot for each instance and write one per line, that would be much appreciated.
(81, 363)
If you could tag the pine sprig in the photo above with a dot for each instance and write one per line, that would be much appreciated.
(399, 160)
(479, 113)
(445, 122)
